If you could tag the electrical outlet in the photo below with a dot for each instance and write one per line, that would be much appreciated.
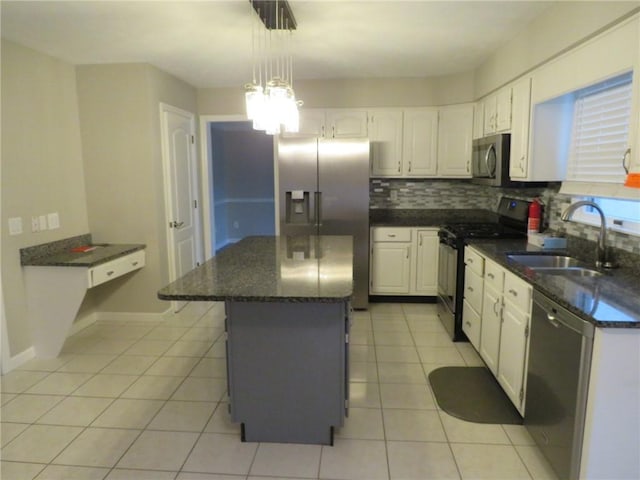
(15, 226)
(236, 224)
(53, 219)
(35, 224)
(393, 194)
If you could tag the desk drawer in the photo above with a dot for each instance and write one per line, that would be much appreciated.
(116, 268)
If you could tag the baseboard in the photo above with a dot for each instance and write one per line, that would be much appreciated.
(19, 359)
(15, 361)
(131, 316)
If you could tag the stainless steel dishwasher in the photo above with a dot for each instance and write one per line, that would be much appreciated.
(557, 380)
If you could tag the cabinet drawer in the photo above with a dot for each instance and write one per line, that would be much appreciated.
(391, 234)
(474, 261)
(473, 284)
(493, 275)
(116, 268)
(471, 324)
(517, 292)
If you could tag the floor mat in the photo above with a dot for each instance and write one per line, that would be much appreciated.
(472, 394)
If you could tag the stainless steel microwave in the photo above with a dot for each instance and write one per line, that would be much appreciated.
(490, 160)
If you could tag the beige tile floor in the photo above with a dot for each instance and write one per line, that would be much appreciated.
(133, 400)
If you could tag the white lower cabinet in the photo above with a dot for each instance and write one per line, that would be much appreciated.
(404, 261)
(426, 262)
(490, 330)
(390, 267)
(503, 324)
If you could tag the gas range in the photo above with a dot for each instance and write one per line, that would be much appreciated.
(511, 222)
(480, 230)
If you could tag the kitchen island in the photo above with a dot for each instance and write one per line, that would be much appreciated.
(287, 305)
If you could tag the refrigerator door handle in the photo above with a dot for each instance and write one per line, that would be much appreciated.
(318, 209)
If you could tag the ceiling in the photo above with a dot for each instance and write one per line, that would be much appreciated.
(208, 43)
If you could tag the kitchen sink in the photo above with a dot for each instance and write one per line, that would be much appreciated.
(546, 261)
(555, 265)
(570, 271)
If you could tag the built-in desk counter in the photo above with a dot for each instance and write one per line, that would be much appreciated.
(57, 276)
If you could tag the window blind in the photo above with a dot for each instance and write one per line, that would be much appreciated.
(600, 132)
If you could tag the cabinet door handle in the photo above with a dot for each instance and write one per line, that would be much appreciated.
(110, 272)
(495, 310)
(627, 153)
(409, 166)
(134, 263)
(408, 252)
(398, 167)
(469, 261)
(470, 289)
(513, 292)
(491, 275)
(420, 243)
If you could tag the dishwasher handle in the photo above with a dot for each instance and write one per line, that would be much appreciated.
(551, 318)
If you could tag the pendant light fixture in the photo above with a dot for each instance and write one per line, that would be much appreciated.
(270, 99)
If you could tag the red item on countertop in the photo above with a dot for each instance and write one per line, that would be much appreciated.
(535, 216)
(83, 249)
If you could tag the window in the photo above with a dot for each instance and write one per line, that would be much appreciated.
(621, 215)
(600, 131)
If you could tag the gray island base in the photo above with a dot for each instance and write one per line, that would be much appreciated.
(287, 305)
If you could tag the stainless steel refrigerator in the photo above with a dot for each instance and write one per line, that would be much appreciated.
(323, 189)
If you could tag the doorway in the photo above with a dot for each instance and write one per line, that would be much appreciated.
(241, 194)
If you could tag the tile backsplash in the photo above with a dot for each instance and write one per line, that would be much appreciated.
(392, 193)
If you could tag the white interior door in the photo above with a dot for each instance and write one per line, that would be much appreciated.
(181, 192)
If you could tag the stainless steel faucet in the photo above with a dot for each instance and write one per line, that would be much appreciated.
(602, 259)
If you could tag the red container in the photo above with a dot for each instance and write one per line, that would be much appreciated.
(535, 216)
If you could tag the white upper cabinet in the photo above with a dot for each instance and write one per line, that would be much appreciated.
(311, 123)
(454, 140)
(497, 112)
(521, 111)
(343, 123)
(385, 134)
(420, 142)
(478, 120)
(332, 123)
(634, 135)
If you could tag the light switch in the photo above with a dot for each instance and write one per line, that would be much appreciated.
(42, 221)
(35, 224)
(53, 219)
(15, 226)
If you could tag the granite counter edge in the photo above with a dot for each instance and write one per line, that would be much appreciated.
(500, 258)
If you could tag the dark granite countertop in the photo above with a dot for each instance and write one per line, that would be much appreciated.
(60, 254)
(608, 301)
(272, 269)
(427, 217)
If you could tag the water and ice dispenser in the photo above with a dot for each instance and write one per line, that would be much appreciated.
(298, 208)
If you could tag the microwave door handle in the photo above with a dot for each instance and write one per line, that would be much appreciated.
(486, 160)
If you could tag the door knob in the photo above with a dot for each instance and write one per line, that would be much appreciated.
(176, 224)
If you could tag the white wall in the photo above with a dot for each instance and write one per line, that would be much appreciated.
(120, 124)
(42, 170)
(561, 27)
(354, 93)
